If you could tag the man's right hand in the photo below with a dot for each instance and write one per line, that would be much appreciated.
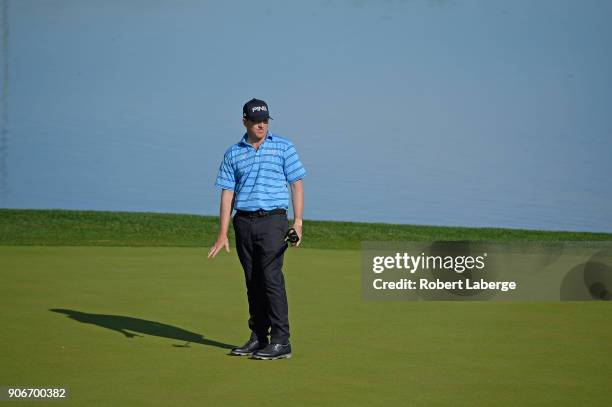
(222, 241)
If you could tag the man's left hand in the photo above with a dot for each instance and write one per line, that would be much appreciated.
(298, 230)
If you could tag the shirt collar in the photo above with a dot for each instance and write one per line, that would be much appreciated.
(244, 139)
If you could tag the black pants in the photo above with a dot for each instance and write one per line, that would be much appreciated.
(260, 242)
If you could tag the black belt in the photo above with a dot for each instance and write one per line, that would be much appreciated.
(261, 213)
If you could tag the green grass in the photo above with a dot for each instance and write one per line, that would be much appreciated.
(346, 351)
(91, 228)
(151, 325)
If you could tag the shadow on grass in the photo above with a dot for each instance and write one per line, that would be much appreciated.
(124, 324)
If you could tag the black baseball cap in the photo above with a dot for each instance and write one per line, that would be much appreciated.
(255, 110)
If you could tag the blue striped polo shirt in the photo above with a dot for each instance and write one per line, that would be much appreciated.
(259, 177)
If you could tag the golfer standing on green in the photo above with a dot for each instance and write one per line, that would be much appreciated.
(253, 176)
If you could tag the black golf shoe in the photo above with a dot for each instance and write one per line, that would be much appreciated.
(249, 348)
(274, 351)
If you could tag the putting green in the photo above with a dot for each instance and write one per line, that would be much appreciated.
(68, 314)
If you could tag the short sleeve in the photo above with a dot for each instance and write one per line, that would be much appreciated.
(292, 167)
(226, 178)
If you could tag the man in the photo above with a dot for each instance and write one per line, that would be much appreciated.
(253, 177)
